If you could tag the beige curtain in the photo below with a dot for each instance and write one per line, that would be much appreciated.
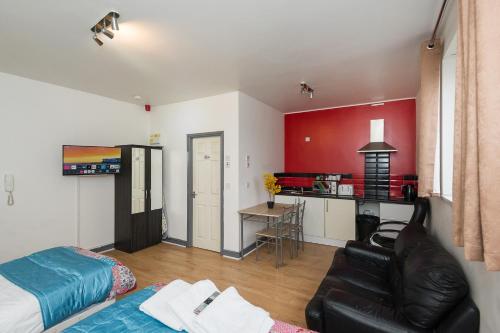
(428, 103)
(476, 177)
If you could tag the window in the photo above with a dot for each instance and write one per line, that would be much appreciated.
(443, 172)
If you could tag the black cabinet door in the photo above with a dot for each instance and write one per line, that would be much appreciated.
(154, 225)
(139, 232)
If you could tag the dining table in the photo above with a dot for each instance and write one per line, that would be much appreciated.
(273, 217)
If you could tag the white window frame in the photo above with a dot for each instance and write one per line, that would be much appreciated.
(443, 171)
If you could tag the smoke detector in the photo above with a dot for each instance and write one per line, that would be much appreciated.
(305, 89)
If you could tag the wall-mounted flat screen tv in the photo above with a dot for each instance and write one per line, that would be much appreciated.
(91, 160)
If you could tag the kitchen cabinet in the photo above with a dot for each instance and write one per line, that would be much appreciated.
(340, 219)
(286, 199)
(314, 214)
(395, 212)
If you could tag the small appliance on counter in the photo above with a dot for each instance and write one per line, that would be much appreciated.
(409, 192)
(346, 189)
(325, 186)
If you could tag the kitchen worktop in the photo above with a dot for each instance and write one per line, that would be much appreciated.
(346, 197)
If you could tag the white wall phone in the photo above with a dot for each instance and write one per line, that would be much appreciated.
(8, 183)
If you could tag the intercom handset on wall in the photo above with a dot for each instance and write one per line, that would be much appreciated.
(8, 183)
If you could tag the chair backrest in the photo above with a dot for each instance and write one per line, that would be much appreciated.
(420, 211)
(300, 208)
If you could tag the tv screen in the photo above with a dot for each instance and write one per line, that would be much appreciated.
(91, 160)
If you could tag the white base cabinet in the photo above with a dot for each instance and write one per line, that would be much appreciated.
(395, 212)
(326, 219)
(340, 219)
(333, 221)
(314, 215)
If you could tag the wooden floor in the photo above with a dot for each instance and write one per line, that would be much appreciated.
(284, 292)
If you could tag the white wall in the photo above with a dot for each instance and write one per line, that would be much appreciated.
(250, 127)
(484, 285)
(261, 136)
(174, 122)
(37, 118)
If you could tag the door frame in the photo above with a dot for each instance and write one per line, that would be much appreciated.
(190, 138)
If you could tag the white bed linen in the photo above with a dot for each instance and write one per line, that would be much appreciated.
(229, 313)
(19, 309)
(157, 306)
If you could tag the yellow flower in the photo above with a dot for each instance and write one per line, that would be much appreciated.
(270, 184)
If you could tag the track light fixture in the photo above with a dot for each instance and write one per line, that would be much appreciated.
(305, 89)
(108, 33)
(114, 20)
(97, 40)
(108, 21)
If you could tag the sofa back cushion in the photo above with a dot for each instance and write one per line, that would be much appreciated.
(433, 284)
(408, 239)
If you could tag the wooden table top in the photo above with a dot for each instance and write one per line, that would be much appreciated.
(262, 210)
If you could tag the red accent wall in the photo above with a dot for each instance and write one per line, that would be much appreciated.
(337, 134)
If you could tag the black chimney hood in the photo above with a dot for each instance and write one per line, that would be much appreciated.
(377, 147)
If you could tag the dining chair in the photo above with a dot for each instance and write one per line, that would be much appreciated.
(274, 235)
(297, 227)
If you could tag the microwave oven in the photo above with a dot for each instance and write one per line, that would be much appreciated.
(325, 186)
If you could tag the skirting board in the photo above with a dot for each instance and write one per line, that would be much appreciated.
(175, 241)
(237, 255)
(79, 316)
(324, 241)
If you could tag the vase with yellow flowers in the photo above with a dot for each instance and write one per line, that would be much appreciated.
(271, 187)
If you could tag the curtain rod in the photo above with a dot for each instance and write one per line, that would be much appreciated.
(436, 27)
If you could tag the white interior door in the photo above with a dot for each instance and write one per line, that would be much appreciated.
(206, 188)
(156, 192)
(138, 180)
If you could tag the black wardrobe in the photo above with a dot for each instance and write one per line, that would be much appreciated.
(139, 198)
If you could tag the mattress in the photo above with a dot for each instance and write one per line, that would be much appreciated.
(45, 288)
(125, 316)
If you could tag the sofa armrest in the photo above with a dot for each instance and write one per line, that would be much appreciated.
(348, 312)
(373, 254)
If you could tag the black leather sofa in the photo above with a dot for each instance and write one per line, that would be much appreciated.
(417, 287)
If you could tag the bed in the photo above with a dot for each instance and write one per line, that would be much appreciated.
(51, 289)
(125, 316)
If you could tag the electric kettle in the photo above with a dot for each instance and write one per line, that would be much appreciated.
(409, 192)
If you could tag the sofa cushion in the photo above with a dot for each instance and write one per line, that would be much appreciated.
(360, 273)
(314, 309)
(433, 284)
(351, 312)
(409, 238)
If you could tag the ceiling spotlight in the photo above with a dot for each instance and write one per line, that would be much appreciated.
(305, 89)
(114, 20)
(110, 21)
(108, 33)
(97, 40)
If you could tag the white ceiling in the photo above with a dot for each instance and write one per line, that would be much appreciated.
(349, 51)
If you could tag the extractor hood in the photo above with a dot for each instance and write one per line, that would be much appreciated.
(377, 143)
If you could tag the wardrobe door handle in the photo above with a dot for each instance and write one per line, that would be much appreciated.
(327, 205)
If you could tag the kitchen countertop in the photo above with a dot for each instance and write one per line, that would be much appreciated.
(345, 197)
